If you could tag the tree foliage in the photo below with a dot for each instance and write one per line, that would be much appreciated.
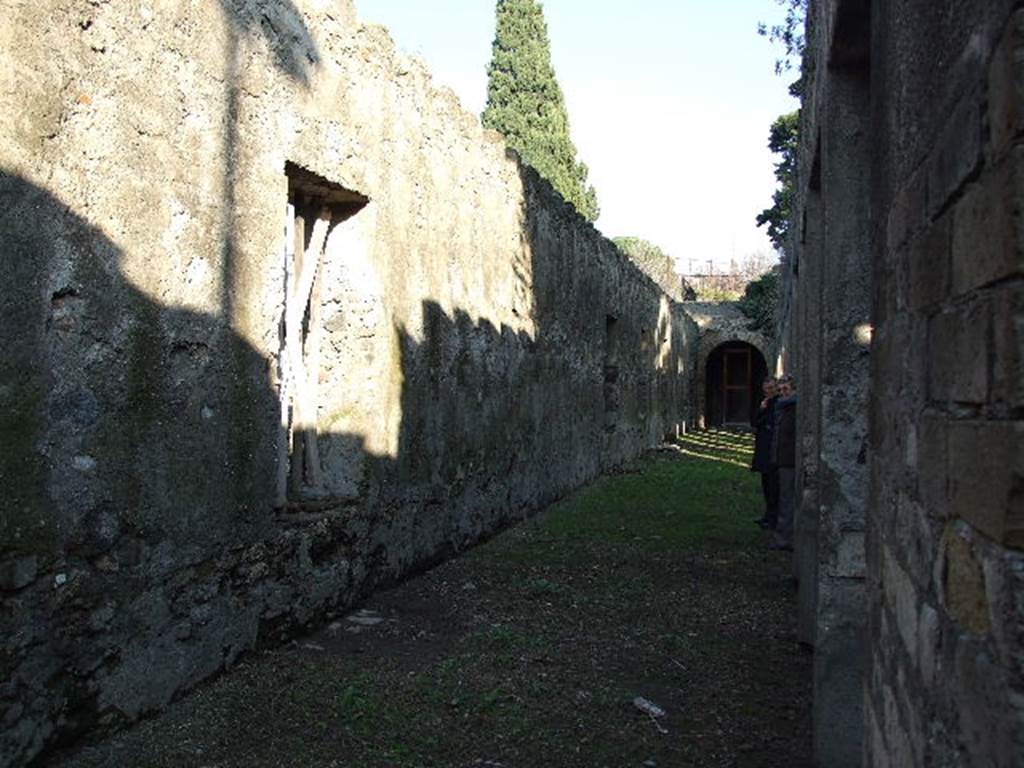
(790, 34)
(526, 104)
(760, 301)
(640, 250)
(783, 140)
(654, 262)
(714, 291)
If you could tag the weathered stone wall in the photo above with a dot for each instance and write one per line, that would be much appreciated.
(480, 348)
(834, 274)
(910, 205)
(661, 268)
(946, 679)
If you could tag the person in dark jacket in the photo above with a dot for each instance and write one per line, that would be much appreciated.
(763, 428)
(783, 456)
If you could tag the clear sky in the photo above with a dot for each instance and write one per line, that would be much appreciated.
(669, 102)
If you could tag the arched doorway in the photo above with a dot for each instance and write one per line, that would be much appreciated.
(733, 375)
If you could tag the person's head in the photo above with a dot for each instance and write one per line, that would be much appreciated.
(768, 386)
(786, 386)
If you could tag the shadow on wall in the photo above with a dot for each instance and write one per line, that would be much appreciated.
(137, 441)
(294, 53)
(139, 463)
(92, 366)
(119, 416)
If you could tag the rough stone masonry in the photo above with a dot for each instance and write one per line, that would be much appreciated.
(280, 323)
(904, 321)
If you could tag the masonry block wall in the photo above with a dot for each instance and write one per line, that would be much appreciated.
(281, 323)
(946, 679)
(910, 195)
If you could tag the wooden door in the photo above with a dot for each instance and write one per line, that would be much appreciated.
(736, 386)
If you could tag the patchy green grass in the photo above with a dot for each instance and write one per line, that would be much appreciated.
(664, 502)
(529, 650)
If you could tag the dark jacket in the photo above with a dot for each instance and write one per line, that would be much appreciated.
(783, 453)
(764, 424)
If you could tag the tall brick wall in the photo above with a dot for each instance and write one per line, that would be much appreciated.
(910, 210)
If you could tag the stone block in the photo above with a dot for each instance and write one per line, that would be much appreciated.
(1006, 86)
(901, 597)
(848, 556)
(958, 354)
(18, 573)
(957, 155)
(916, 537)
(898, 750)
(913, 368)
(896, 228)
(987, 227)
(963, 582)
(929, 264)
(1008, 341)
(876, 749)
(979, 684)
(840, 663)
(917, 200)
(910, 451)
(1013, 534)
(907, 212)
(932, 478)
(985, 471)
(927, 643)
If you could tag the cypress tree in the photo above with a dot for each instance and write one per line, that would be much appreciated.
(526, 105)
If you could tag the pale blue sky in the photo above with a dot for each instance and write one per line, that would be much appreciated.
(669, 101)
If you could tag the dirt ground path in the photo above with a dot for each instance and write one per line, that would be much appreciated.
(533, 649)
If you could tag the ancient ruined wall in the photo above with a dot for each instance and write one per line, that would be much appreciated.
(470, 348)
(824, 341)
(661, 268)
(909, 207)
(945, 679)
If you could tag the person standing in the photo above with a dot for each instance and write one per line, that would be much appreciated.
(763, 429)
(783, 456)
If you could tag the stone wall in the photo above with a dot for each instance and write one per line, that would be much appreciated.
(909, 243)
(834, 271)
(465, 348)
(660, 267)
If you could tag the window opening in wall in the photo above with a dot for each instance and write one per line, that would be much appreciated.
(315, 206)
